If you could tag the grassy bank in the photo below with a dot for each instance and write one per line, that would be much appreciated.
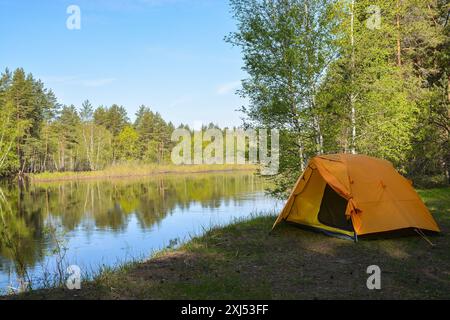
(138, 170)
(244, 261)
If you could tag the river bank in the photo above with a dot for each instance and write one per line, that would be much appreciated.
(244, 261)
(130, 171)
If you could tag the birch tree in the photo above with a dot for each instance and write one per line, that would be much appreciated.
(287, 46)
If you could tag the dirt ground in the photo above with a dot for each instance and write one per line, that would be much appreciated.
(244, 261)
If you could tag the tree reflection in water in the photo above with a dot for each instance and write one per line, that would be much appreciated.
(103, 206)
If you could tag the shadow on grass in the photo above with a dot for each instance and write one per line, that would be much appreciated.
(244, 261)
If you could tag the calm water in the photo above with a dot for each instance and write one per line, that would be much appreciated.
(106, 222)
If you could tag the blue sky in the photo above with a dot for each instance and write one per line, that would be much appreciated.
(167, 54)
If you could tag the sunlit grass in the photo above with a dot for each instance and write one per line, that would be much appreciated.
(136, 170)
(244, 261)
(438, 201)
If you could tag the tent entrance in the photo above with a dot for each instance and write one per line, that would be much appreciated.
(332, 210)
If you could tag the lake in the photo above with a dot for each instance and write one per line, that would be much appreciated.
(93, 224)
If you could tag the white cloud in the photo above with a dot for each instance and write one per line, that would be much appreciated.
(227, 88)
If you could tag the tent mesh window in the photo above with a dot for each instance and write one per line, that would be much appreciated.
(332, 210)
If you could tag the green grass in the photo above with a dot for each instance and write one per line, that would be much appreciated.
(244, 261)
(135, 170)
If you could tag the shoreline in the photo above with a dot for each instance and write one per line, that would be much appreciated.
(243, 261)
(141, 172)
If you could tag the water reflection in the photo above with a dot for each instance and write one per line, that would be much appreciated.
(106, 220)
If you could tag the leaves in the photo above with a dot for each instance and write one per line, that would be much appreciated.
(333, 85)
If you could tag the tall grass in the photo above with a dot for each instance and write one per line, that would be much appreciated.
(136, 169)
(102, 274)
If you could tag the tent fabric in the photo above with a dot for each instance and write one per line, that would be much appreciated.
(378, 198)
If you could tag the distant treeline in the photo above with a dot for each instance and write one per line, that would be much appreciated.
(38, 134)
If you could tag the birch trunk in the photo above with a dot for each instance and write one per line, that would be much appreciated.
(352, 93)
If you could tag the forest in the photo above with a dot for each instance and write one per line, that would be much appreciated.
(351, 76)
(95, 187)
(360, 76)
(39, 134)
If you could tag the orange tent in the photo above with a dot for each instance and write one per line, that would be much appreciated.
(355, 195)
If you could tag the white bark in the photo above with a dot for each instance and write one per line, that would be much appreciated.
(352, 94)
(301, 156)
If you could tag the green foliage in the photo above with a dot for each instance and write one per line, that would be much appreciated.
(154, 143)
(8, 133)
(114, 118)
(331, 83)
(25, 105)
(316, 72)
(287, 46)
(127, 143)
(37, 134)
